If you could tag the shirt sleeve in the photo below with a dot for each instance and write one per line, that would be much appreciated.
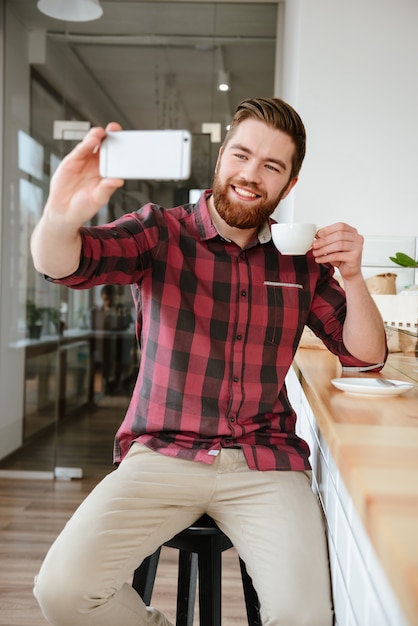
(118, 253)
(326, 320)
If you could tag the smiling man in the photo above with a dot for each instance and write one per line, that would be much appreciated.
(209, 428)
(250, 179)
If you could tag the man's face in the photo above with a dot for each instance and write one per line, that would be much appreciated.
(252, 174)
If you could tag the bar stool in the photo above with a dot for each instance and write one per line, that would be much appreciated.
(200, 547)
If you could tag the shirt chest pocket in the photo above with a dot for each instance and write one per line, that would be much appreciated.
(285, 312)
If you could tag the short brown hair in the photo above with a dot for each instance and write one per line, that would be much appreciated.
(279, 115)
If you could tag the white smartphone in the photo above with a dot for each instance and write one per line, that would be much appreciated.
(146, 155)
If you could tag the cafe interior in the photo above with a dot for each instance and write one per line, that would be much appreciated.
(68, 359)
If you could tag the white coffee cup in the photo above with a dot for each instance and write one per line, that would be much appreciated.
(293, 238)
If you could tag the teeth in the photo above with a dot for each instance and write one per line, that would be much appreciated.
(245, 193)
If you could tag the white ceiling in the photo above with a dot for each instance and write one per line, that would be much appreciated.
(155, 64)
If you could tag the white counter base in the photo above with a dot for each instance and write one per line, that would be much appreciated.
(362, 593)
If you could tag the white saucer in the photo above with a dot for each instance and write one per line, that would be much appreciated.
(371, 386)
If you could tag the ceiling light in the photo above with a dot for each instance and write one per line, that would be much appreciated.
(223, 81)
(71, 10)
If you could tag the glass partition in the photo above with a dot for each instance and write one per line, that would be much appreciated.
(65, 354)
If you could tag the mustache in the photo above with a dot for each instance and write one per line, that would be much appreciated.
(242, 182)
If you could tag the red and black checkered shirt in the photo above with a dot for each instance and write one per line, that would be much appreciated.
(218, 327)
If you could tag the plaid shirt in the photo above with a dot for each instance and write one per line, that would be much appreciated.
(218, 328)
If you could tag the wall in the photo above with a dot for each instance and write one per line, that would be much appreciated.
(16, 115)
(350, 69)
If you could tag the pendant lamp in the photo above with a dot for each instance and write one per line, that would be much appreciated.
(71, 10)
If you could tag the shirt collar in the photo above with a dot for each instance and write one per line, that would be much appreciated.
(207, 229)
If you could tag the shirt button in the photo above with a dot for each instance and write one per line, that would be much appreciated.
(243, 293)
(232, 419)
(239, 337)
(236, 379)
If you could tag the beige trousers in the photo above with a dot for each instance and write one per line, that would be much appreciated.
(272, 518)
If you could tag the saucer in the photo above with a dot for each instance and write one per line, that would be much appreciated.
(372, 386)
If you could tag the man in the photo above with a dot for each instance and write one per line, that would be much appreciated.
(209, 428)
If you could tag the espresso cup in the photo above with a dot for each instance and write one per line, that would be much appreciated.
(293, 238)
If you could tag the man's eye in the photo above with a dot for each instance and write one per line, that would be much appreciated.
(273, 168)
(241, 156)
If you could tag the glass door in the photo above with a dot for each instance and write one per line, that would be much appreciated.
(68, 358)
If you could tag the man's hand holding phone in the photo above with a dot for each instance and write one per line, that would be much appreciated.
(100, 163)
(89, 175)
(77, 191)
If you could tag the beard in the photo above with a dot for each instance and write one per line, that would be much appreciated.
(238, 214)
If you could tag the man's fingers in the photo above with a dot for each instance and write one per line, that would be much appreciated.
(90, 144)
(113, 126)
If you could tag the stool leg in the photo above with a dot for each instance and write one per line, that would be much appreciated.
(186, 588)
(251, 599)
(210, 564)
(144, 576)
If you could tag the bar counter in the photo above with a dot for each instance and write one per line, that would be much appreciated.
(374, 443)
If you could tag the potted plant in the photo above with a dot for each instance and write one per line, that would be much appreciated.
(404, 260)
(34, 316)
(37, 315)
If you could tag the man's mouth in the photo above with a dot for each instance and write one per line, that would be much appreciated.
(245, 193)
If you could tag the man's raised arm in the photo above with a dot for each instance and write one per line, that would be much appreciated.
(77, 192)
(363, 333)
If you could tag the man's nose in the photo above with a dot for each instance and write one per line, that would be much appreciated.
(251, 172)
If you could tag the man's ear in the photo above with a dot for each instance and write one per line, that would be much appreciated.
(289, 187)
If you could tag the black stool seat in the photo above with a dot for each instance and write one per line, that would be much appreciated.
(200, 547)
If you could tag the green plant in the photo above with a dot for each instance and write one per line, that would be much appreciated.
(403, 260)
(34, 314)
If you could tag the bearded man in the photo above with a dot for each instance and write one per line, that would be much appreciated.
(210, 428)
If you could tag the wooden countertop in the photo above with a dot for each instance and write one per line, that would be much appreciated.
(374, 442)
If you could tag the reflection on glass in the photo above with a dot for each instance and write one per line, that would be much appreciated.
(74, 377)
(31, 202)
(40, 393)
(54, 161)
(30, 155)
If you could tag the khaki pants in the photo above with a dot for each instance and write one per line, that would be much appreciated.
(272, 518)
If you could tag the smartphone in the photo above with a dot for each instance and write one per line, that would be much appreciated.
(146, 155)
